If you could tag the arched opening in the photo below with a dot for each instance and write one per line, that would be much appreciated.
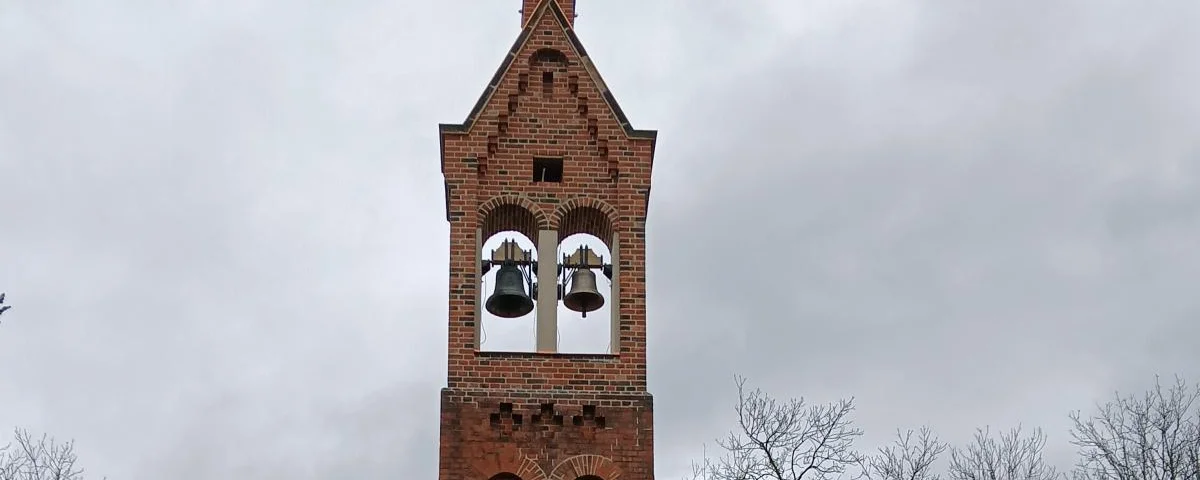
(589, 477)
(509, 216)
(589, 220)
(593, 333)
(499, 334)
(505, 476)
(548, 57)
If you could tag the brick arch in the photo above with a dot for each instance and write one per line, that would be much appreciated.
(506, 463)
(511, 212)
(585, 215)
(546, 56)
(586, 466)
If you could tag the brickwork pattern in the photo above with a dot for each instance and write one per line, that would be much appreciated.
(605, 180)
(558, 437)
(528, 7)
(535, 415)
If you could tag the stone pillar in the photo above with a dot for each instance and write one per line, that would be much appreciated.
(547, 301)
(614, 298)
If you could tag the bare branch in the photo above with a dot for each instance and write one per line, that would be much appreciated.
(907, 459)
(787, 440)
(3, 307)
(1155, 437)
(38, 459)
(1014, 457)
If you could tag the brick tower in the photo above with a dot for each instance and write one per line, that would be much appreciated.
(548, 153)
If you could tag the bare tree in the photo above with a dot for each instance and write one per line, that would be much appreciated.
(3, 307)
(1155, 437)
(38, 459)
(908, 458)
(1013, 457)
(788, 440)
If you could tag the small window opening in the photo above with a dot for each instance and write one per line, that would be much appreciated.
(547, 170)
(544, 56)
(547, 82)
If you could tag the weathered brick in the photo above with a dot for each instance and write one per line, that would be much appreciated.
(532, 415)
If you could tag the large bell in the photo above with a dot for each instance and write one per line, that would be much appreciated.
(509, 300)
(583, 296)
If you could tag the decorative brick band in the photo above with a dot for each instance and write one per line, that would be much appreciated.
(585, 215)
(512, 212)
(508, 460)
(586, 466)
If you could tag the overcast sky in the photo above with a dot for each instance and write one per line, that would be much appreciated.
(224, 240)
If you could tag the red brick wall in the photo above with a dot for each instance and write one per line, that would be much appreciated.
(529, 6)
(541, 126)
(601, 419)
(542, 435)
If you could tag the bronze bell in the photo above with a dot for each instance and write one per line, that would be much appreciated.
(509, 300)
(583, 297)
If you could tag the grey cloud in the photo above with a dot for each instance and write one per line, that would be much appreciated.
(954, 219)
(210, 260)
(222, 222)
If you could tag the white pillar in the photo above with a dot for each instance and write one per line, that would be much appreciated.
(614, 300)
(479, 293)
(547, 301)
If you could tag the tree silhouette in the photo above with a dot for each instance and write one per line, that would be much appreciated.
(32, 458)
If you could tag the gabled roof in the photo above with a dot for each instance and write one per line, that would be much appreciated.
(527, 32)
(493, 85)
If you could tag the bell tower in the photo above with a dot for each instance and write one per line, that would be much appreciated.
(546, 153)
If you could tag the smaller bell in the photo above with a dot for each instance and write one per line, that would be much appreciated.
(583, 297)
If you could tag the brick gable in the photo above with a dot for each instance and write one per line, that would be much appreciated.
(546, 414)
